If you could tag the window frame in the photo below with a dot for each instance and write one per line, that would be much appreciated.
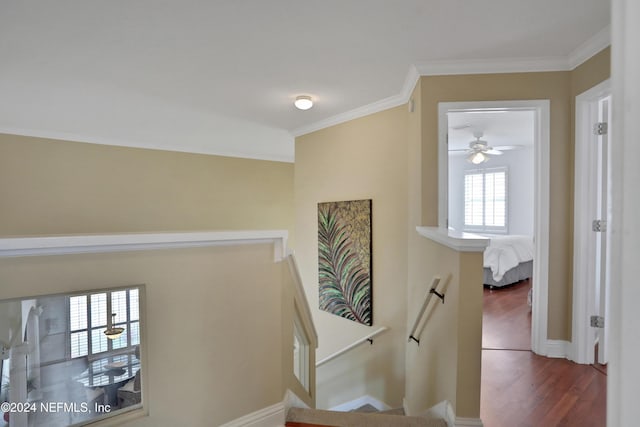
(484, 227)
(90, 354)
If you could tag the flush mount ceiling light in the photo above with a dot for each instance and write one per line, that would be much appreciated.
(303, 102)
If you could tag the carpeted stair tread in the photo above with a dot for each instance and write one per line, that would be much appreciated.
(354, 419)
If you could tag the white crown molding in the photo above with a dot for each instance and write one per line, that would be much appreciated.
(492, 66)
(82, 244)
(374, 107)
(474, 66)
(589, 48)
(72, 137)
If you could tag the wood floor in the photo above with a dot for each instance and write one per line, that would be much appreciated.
(522, 389)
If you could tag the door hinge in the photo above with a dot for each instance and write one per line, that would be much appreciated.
(601, 128)
(599, 225)
(597, 321)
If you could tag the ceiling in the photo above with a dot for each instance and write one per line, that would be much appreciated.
(498, 128)
(220, 77)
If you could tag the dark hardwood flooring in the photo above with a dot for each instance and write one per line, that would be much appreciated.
(521, 389)
(506, 317)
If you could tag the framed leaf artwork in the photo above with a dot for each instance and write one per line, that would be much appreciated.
(344, 259)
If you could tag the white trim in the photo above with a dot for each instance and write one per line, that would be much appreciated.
(301, 297)
(81, 244)
(365, 110)
(271, 416)
(87, 139)
(578, 56)
(541, 197)
(456, 240)
(291, 400)
(359, 402)
(583, 242)
(468, 422)
(558, 349)
(492, 66)
(589, 48)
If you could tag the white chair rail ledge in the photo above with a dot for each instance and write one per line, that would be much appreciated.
(78, 244)
(457, 240)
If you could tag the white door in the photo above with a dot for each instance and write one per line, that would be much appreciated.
(592, 212)
(602, 216)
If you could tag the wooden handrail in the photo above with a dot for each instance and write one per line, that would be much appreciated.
(427, 298)
(352, 346)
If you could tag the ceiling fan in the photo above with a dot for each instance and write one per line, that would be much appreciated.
(479, 150)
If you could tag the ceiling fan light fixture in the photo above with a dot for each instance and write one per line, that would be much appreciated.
(477, 158)
(303, 102)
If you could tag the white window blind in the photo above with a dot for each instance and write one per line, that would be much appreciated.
(90, 314)
(485, 200)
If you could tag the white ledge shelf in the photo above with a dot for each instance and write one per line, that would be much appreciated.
(79, 244)
(456, 240)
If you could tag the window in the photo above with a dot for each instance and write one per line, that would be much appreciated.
(91, 314)
(485, 200)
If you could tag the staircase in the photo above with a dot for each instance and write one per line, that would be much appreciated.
(297, 417)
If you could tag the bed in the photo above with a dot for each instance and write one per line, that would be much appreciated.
(508, 259)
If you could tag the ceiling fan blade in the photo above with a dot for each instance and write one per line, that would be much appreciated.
(493, 152)
(459, 149)
(508, 147)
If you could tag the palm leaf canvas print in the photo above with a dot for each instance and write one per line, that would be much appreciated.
(344, 259)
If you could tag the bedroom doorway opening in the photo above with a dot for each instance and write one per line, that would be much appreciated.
(494, 181)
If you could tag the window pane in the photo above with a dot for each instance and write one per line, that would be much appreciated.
(134, 306)
(135, 333)
(473, 189)
(98, 310)
(78, 312)
(79, 345)
(121, 341)
(119, 305)
(98, 341)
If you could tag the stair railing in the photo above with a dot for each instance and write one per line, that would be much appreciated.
(425, 303)
(353, 345)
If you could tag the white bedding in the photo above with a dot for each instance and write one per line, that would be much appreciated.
(507, 251)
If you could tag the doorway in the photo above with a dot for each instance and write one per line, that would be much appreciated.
(592, 209)
(539, 110)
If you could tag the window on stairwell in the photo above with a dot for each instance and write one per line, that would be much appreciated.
(485, 200)
(55, 353)
(92, 313)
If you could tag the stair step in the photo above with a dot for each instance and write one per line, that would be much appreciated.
(317, 417)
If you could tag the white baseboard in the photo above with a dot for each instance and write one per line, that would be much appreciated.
(444, 410)
(468, 422)
(558, 349)
(361, 401)
(271, 416)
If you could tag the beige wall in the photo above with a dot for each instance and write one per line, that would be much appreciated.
(447, 363)
(362, 159)
(560, 88)
(58, 187)
(212, 348)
